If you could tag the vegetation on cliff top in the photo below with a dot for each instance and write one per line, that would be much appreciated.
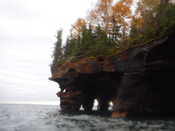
(113, 27)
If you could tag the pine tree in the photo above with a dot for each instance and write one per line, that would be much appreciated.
(58, 51)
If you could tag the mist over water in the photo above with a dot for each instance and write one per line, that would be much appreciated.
(48, 118)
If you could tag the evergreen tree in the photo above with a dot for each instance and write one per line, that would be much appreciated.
(58, 51)
(114, 29)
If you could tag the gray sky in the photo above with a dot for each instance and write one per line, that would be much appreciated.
(27, 34)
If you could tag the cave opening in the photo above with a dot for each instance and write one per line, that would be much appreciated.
(89, 92)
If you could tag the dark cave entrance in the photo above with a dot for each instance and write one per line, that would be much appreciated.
(82, 91)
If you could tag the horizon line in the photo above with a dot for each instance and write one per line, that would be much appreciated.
(31, 102)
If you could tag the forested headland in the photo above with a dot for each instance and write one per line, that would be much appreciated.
(112, 27)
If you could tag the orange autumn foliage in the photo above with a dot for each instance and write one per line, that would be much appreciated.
(78, 26)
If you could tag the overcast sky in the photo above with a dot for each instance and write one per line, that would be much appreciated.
(27, 34)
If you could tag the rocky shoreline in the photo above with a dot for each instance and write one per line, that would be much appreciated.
(137, 81)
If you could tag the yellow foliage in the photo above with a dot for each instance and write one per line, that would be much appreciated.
(78, 26)
(122, 11)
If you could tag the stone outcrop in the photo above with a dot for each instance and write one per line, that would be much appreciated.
(138, 81)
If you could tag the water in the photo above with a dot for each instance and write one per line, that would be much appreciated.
(48, 118)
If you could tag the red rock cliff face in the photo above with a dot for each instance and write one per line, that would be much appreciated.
(88, 79)
(138, 81)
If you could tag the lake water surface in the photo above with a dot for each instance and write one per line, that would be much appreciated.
(47, 118)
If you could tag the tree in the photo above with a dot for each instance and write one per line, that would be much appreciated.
(121, 13)
(153, 18)
(101, 15)
(58, 51)
(113, 18)
(78, 27)
(111, 27)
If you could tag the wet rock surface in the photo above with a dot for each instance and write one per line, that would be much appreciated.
(138, 81)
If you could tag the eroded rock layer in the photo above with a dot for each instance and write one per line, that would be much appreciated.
(138, 81)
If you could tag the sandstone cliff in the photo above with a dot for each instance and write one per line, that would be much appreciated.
(138, 81)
